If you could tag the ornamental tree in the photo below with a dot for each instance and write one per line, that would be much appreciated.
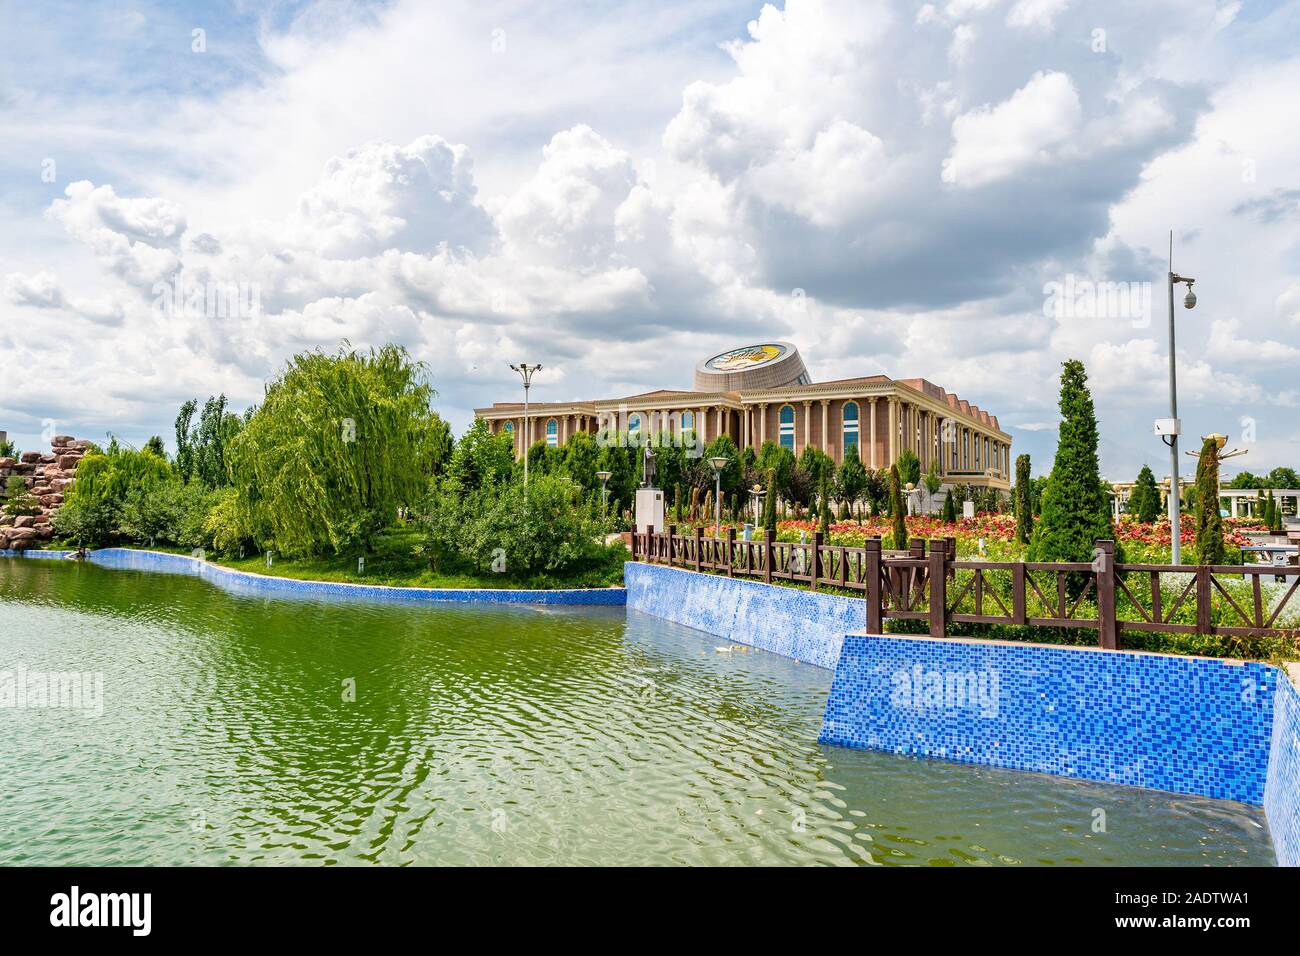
(335, 448)
(1144, 503)
(1024, 513)
(1210, 548)
(1074, 511)
(897, 508)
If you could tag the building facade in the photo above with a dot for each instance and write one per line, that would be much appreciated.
(764, 393)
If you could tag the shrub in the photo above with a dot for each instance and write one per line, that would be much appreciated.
(19, 502)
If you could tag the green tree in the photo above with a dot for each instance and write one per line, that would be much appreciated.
(1024, 509)
(335, 448)
(19, 502)
(582, 460)
(1284, 478)
(481, 457)
(851, 478)
(733, 476)
(774, 458)
(949, 507)
(1210, 548)
(93, 506)
(1144, 503)
(824, 493)
(932, 481)
(816, 463)
(155, 445)
(1074, 508)
(769, 501)
(898, 510)
(909, 467)
(618, 461)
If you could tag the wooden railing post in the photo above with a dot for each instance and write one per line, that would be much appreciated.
(650, 543)
(699, 547)
(769, 537)
(731, 552)
(1203, 625)
(815, 564)
(875, 615)
(1108, 629)
(938, 588)
(950, 547)
(635, 536)
(1018, 593)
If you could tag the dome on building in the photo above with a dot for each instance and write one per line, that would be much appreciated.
(769, 365)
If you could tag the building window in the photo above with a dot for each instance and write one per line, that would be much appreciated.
(552, 432)
(977, 452)
(850, 416)
(965, 450)
(787, 426)
(633, 428)
(688, 421)
(510, 427)
(987, 460)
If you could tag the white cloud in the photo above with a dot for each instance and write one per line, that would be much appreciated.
(41, 290)
(1039, 15)
(995, 142)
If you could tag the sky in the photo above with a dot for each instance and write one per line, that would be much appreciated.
(970, 192)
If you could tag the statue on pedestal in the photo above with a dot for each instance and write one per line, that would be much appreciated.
(648, 469)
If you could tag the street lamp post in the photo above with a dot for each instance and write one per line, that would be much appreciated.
(718, 463)
(604, 477)
(526, 373)
(1170, 435)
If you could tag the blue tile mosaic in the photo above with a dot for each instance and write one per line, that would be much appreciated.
(47, 555)
(1282, 792)
(1184, 724)
(794, 623)
(246, 583)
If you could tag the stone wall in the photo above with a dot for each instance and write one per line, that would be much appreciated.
(47, 477)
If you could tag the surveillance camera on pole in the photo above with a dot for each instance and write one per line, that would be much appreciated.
(1168, 428)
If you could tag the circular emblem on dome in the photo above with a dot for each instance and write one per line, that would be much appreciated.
(751, 356)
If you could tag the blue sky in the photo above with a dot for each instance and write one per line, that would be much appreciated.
(618, 189)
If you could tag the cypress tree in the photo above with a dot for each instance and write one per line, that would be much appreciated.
(1209, 525)
(824, 525)
(1074, 510)
(1145, 502)
(1024, 518)
(769, 501)
(949, 507)
(897, 508)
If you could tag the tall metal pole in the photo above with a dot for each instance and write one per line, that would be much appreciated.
(526, 373)
(1175, 522)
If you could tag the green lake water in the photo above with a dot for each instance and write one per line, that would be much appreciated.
(483, 735)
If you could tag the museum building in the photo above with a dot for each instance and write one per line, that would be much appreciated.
(764, 392)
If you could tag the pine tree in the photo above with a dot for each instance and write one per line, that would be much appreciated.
(1074, 512)
(1145, 501)
(1209, 524)
(1024, 517)
(897, 509)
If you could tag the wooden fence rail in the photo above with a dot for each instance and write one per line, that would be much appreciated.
(927, 583)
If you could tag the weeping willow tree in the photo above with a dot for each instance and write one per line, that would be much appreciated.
(339, 444)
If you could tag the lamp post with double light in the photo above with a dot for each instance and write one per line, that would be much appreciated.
(526, 372)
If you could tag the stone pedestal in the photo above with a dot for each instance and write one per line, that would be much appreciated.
(968, 509)
(649, 509)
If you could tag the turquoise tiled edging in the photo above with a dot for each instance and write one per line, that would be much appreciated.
(247, 583)
(795, 623)
(1184, 724)
(47, 555)
(1282, 792)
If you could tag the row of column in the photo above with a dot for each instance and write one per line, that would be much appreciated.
(959, 447)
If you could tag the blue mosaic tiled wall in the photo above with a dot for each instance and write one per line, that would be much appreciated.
(1282, 792)
(1185, 724)
(792, 622)
(246, 583)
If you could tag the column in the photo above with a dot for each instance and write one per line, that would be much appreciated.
(872, 403)
(807, 425)
(826, 426)
(722, 410)
(762, 423)
(891, 446)
(702, 425)
(744, 427)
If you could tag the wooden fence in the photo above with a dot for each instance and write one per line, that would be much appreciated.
(927, 583)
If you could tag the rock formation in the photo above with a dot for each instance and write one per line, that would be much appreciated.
(47, 477)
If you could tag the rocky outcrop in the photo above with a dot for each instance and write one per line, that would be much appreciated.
(47, 477)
